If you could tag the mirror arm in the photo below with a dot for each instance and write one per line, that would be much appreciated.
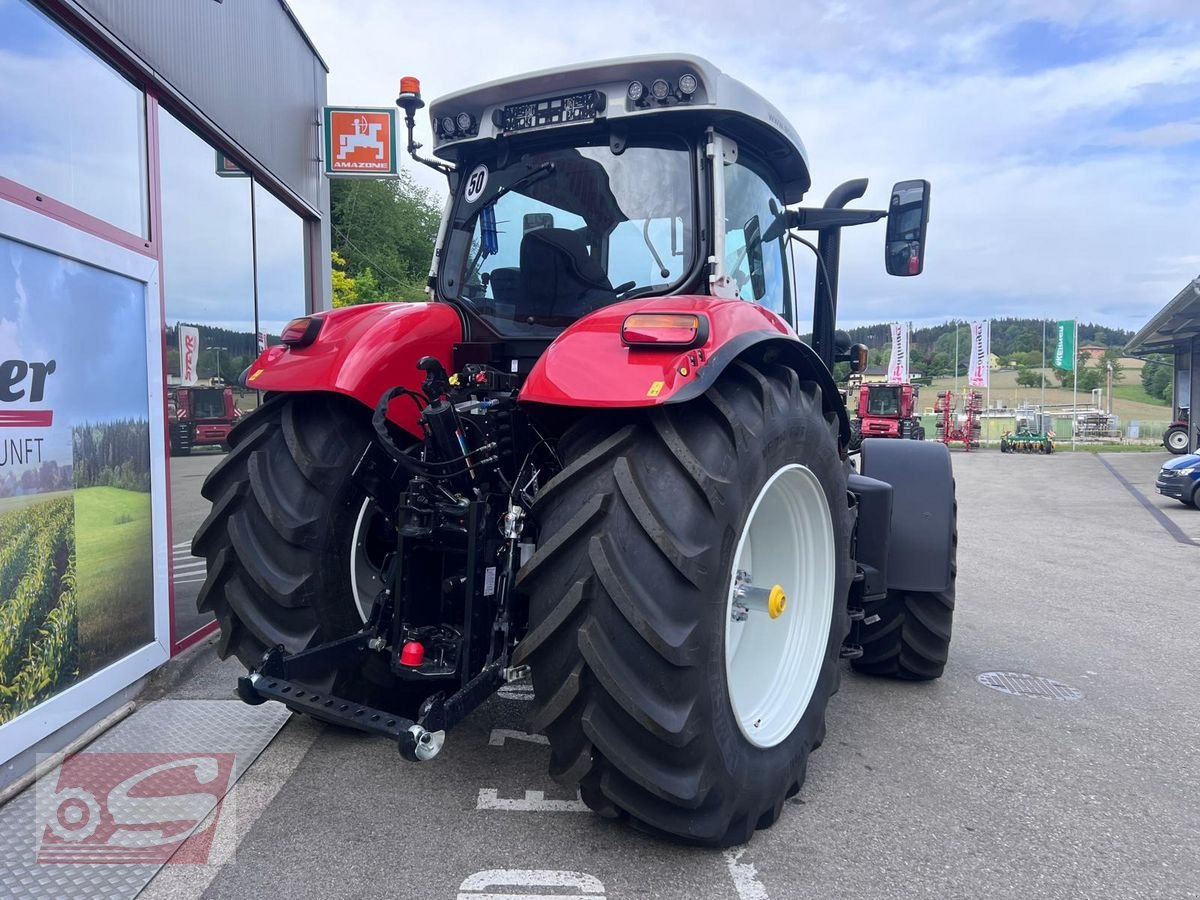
(814, 219)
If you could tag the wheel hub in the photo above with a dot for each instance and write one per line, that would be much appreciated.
(780, 606)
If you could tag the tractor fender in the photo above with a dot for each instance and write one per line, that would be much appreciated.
(589, 365)
(362, 351)
(921, 540)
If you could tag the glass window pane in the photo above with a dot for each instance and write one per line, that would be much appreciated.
(208, 280)
(279, 236)
(758, 269)
(73, 128)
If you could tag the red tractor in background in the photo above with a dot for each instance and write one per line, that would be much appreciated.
(599, 458)
(200, 417)
(1176, 437)
(886, 411)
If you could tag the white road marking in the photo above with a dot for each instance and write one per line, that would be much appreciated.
(745, 876)
(585, 885)
(181, 544)
(534, 801)
(190, 564)
(500, 735)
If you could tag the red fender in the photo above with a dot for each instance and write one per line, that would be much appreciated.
(362, 351)
(589, 365)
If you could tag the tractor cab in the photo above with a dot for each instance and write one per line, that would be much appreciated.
(579, 188)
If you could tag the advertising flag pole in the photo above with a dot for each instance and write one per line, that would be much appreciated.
(956, 359)
(1043, 369)
(1074, 382)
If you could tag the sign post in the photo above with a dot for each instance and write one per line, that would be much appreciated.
(360, 142)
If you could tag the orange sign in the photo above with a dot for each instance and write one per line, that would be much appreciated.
(360, 141)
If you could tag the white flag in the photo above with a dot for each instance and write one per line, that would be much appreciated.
(981, 351)
(898, 364)
(189, 353)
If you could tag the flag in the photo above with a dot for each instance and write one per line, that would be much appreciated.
(981, 351)
(1064, 353)
(898, 364)
(189, 353)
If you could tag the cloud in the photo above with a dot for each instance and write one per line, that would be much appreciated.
(1056, 132)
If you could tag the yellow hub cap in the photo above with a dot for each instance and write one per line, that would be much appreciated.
(776, 602)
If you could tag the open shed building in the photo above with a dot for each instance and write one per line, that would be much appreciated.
(1175, 329)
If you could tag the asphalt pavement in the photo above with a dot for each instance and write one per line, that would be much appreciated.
(188, 510)
(943, 790)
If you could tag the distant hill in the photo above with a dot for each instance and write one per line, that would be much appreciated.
(932, 348)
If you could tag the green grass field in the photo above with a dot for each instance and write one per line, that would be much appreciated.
(113, 546)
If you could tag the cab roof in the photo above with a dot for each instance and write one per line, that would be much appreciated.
(718, 100)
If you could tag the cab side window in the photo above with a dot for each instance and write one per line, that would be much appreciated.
(759, 269)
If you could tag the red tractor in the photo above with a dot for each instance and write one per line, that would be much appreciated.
(888, 411)
(1176, 437)
(200, 417)
(599, 458)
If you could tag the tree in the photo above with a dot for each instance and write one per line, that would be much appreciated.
(1029, 377)
(387, 227)
(1112, 357)
(345, 288)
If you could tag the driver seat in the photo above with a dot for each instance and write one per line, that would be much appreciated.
(559, 278)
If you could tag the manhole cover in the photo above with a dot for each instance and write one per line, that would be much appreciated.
(1025, 685)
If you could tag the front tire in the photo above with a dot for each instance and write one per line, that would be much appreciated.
(630, 596)
(906, 635)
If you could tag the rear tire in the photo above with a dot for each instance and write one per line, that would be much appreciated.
(629, 604)
(910, 639)
(279, 543)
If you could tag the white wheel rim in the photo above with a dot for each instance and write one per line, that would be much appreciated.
(772, 664)
(365, 581)
(1177, 440)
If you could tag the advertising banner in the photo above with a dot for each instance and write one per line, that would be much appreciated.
(981, 352)
(898, 364)
(1064, 351)
(76, 543)
(189, 353)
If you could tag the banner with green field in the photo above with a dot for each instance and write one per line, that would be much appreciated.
(76, 548)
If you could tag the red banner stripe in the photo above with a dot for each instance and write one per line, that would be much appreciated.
(26, 418)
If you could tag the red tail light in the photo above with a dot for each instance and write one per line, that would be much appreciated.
(664, 329)
(301, 332)
(914, 265)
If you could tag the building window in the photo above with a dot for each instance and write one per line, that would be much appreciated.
(208, 286)
(279, 238)
(74, 129)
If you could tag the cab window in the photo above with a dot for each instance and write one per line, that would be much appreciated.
(759, 270)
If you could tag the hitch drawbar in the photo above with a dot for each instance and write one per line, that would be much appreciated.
(416, 743)
(281, 677)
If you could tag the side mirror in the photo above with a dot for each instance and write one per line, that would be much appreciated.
(908, 218)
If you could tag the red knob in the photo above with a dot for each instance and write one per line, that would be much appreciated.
(413, 654)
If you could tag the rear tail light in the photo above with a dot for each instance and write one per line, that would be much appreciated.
(664, 329)
(914, 265)
(301, 332)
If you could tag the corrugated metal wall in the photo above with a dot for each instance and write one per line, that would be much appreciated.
(244, 65)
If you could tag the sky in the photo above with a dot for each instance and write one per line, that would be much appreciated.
(1061, 137)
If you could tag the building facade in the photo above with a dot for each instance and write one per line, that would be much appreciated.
(1175, 329)
(163, 214)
